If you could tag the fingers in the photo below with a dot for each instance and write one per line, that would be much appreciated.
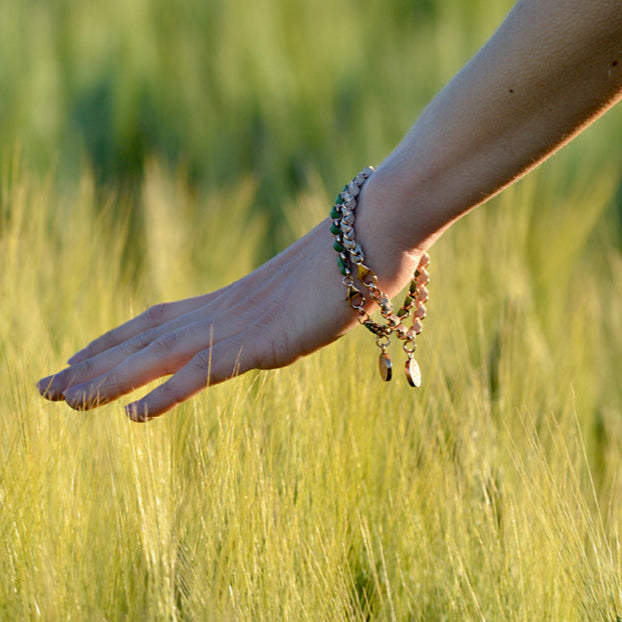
(196, 371)
(159, 315)
(266, 320)
(53, 387)
(219, 357)
(153, 317)
(208, 367)
(118, 371)
(159, 339)
(163, 356)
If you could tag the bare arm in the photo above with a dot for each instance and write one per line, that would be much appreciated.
(552, 68)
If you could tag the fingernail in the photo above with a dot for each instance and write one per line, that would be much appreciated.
(45, 388)
(78, 397)
(132, 412)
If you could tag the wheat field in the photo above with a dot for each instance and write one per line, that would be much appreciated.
(315, 492)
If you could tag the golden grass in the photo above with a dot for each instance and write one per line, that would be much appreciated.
(317, 492)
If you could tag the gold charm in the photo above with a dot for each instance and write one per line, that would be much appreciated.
(413, 373)
(365, 275)
(362, 271)
(355, 297)
(385, 367)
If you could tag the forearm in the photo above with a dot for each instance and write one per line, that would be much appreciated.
(551, 68)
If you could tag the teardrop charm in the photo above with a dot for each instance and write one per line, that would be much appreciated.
(385, 367)
(413, 373)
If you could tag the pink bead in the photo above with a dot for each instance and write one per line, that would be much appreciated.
(423, 278)
(422, 294)
(417, 326)
(420, 312)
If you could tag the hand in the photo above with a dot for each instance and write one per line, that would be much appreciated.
(289, 307)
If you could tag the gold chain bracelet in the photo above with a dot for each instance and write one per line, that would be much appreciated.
(358, 276)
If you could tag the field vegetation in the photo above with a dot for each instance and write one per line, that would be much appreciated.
(154, 150)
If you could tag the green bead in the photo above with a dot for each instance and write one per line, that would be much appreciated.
(408, 301)
(339, 200)
(338, 247)
(335, 213)
(334, 229)
(341, 264)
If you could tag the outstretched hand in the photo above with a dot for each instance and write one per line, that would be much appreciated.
(289, 307)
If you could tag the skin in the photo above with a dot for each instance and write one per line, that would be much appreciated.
(550, 70)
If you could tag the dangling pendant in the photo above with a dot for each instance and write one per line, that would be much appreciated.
(413, 373)
(385, 367)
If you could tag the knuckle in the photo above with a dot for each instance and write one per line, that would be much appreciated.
(156, 314)
(164, 344)
(272, 346)
(110, 383)
(267, 355)
(87, 368)
(144, 339)
(171, 394)
(202, 360)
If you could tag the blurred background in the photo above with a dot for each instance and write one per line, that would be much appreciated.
(281, 90)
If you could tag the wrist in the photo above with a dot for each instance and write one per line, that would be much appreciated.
(364, 286)
(392, 229)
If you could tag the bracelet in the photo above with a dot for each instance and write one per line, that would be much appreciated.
(358, 276)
